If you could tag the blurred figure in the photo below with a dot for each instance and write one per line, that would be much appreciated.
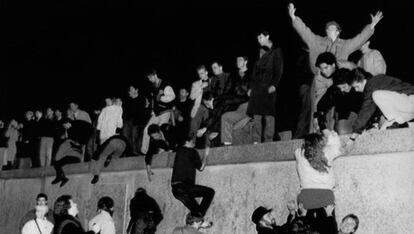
(372, 60)
(193, 224)
(41, 200)
(145, 214)
(38, 225)
(109, 120)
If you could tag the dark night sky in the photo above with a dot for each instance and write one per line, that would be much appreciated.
(85, 50)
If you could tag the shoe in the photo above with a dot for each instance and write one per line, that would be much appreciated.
(206, 224)
(56, 180)
(64, 181)
(95, 179)
(396, 125)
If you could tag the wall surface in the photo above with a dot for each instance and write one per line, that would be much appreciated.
(375, 181)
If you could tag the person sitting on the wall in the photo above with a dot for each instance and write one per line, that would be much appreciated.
(114, 147)
(71, 150)
(145, 214)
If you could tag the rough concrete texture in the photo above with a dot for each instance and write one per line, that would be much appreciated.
(376, 182)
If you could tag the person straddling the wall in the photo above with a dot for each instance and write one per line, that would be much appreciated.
(314, 164)
(103, 221)
(145, 213)
(114, 147)
(157, 144)
(187, 161)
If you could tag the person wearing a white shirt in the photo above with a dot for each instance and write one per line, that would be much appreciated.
(40, 225)
(103, 221)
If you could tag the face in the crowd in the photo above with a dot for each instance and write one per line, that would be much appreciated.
(49, 112)
(241, 62)
(152, 78)
(156, 136)
(38, 114)
(217, 69)
(345, 88)
(41, 201)
(58, 114)
(262, 39)
(132, 92)
(358, 86)
(268, 219)
(73, 106)
(73, 210)
(29, 115)
(348, 225)
(183, 93)
(203, 74)
(108, 101)
(209, 103)
(332, 32)
(118, 102)
(327, 69)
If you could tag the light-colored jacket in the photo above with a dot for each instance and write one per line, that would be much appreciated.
(109, 120)
(373, 62)
(45, 227)
(104, 222)
(340, 48)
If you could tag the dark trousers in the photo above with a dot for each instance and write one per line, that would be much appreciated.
(186, 193)
(58, 165)
(133, 133)
(303, 125)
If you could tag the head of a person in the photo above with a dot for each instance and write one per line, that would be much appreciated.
(58, 114)
(359, 79)
(108, 101)
(133, 91)
(49, 113)
(140, 192)
(349, 224)
(313, 147)
(341, 78)
(183, 94)
(208, 100)
(365, 47)
(117, 101)
(202, 72)
(333, 30)
(217, 68)
(106, 204)
(326, 62)
(241, 62)
(152, 76)
(41, 199)
(65, 205)
(263, 217)
(38, 114)
(29, 115)
(73, 106)
(299, 226)
(189, 140)
(194, 220)
(263, 38)
(41, 211)
(154, 132)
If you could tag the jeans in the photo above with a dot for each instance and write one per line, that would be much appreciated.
(186, 193)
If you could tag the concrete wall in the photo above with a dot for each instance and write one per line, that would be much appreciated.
(375, 181)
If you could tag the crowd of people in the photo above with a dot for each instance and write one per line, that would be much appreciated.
(343, 97)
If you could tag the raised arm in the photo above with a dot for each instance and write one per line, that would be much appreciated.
(357, 42)
(304, 32)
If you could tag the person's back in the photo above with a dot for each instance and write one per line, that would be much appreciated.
(186, 162)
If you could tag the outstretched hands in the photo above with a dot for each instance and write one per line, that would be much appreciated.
(375, 19)
(292, 10)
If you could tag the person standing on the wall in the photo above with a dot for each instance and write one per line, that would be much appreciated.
(265, 79)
